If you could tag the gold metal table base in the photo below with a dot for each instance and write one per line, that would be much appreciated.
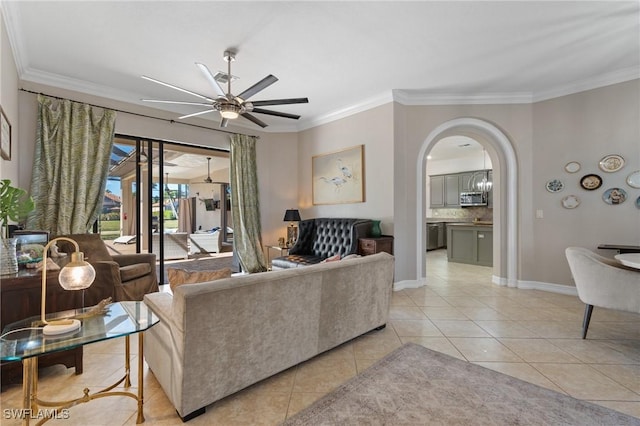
(32, 404)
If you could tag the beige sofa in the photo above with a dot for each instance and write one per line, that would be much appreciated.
(219, 337)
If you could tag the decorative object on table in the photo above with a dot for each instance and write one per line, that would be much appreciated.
(376, 231)
(76, 275)
(570, 202)
(338, 177)
(291, 216)
(30, 245)
(15, 204)
(281, 242)
(633, 180)
(5, 136)
(614, 196)
(554, 185)
(591, 182)
(611, 163)
(572, 167)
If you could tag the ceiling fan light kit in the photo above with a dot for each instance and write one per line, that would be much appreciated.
(229, 106)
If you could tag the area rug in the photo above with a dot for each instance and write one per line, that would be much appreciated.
(417, 386)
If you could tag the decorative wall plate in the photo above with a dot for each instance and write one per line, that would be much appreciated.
(554, 185)
(633, 180)
(572, 167)
(570, 202)
(591, 182)
(614, 196)
(611, 163)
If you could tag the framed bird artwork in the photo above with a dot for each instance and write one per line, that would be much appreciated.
(338, 177)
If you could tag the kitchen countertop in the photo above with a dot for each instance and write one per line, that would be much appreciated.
(480, 223)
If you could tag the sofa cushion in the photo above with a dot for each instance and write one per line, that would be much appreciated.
(334, 258)
(179, 277)
(131, 272)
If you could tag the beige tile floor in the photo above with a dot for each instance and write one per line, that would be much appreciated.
(532, 335)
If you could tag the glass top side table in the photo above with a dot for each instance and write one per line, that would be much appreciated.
(24, 341)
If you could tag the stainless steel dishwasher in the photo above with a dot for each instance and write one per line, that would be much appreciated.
(432, 236)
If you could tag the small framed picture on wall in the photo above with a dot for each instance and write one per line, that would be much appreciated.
(5, 136)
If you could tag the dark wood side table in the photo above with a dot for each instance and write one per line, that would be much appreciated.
(373, 245)
(20, 298)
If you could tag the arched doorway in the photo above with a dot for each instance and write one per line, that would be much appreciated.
(506, 201)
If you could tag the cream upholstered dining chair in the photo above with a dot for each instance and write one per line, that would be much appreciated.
(603, 282)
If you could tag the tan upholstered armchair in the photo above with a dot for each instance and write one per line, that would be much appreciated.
(121, 276)
(603, 282)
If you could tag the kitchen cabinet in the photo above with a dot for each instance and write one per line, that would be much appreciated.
(444, 190)
(465, 181)
(473, 244)
(436, 192)
(452, 191)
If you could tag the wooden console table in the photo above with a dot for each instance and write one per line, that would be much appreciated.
(20, 298)
(373, 245)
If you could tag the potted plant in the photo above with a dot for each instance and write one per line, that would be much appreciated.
(15, 205)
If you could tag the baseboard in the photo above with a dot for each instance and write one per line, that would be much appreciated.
(401, 285)
(525, 285)
(551, 288)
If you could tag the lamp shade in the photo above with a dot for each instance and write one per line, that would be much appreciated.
(77, 274)
(292, 215)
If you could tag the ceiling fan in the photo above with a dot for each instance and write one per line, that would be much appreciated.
(228, 105)
(208, 178)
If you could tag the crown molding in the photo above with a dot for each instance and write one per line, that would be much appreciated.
(614, 77)
(420, 97)
(364, 105)
(11, 17)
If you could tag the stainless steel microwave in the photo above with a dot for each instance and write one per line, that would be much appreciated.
(470, 199)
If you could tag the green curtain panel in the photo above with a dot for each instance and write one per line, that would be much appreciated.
(245, 205)
(70, 166)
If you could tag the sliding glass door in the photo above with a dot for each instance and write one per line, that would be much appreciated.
(160, 194)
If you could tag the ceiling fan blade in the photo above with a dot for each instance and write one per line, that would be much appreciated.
(223, 122)
(209, 76)
(254, 119)
(158, 101)
(178, 88)
(281, 102)
(196, 113)
(261, 85)
(275, 113)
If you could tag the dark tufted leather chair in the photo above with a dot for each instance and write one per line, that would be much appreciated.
(321, 238)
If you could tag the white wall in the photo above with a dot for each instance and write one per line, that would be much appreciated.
(583, 127)
(9, 103)
(374, 130)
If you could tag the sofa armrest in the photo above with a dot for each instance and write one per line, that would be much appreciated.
(131, 259)
(160, 304)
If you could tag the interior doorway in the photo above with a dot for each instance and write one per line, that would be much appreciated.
(505, 174)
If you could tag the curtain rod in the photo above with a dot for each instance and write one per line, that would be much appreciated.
(138, 114)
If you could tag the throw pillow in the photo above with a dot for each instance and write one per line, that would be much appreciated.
(351, 256)
(178, 277)
(333, 258)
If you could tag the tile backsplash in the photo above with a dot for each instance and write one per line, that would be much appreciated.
(480, 213)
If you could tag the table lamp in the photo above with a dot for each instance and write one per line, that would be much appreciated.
(75, 275)
(292, 215)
